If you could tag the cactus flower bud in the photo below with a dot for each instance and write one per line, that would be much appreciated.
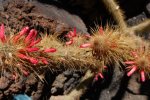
(69, 42)
(30, 36)
(142, 76)
(129, 62)
(34, 42)
(50, 50)
(32, 49)
(22, 56)
(134, 68)
(33, 60)
(86, 45)
(2, 33)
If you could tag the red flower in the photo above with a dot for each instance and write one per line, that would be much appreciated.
(22, 56)
(129, 62)
(33, 60)
(21, 33)
(142, 76)
(32, 49)
(30, 36)
(86, 45)
(133, 69)
(2, 33)
(69, 42)
(72, 34)
(24, 31)
(140, 63)
(98, 75)
(44, 60)
(34, 42)
(50, 50)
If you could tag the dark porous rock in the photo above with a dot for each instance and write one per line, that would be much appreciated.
(58, 84)
(67, 73)
(76, 75)
(44, 18)
(68, 83)
(137, 19)
(53, 12)
(65, 82)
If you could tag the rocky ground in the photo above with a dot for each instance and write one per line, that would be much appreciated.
(60, 16)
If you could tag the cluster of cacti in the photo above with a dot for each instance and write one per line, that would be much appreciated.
(25, 51)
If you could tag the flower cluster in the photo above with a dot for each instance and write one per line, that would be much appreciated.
(21, 49)
(140, 63)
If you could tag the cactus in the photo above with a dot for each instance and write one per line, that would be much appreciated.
(25, 52)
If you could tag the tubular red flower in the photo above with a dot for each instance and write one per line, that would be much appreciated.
(22, 56)
(44, 60)
(34, 42)
(33, 60)
(21, 33)
(129, 62)
(30, 36)
(96, 77)
(32, 49)
(142, 76)
(50, 50)
(68, 35)
(134, 68)
(16, 38)
(74, 32)
(24, 31)
(69, 42)
(86, 45)
(2, 33)
(101, 75)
